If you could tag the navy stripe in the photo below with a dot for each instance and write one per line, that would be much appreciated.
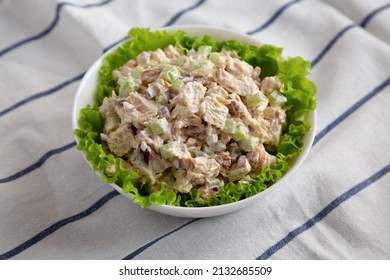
(56, 226)
(170, 22)
(352, 109)
(51, 25)
(37, 164)
(179, 14)
(41, 94)
(370, 16)
(273, 18)
(147, 245)
(324, 212)
(331, 43)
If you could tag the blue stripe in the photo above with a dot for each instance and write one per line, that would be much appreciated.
(331, 43)
(352, 109)
(370, 16)
(179, 14)
(273, 18)
(37, 164)
(41, 94)
(56, 226)
(170, 22)
(51, 25)
(324, 212)
(147, 245)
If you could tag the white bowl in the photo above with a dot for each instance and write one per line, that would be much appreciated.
(86, 94)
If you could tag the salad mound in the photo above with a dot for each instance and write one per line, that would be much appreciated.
(191, 122)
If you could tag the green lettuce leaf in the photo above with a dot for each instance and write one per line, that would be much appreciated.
(299, 90)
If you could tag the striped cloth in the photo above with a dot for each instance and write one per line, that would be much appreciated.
(336, 206)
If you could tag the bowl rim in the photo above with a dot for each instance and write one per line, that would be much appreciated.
(196, 30)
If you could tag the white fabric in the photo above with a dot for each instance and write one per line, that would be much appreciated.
(46, 186)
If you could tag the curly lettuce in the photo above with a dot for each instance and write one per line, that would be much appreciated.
(299, 91)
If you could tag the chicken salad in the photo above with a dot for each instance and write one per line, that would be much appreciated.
(193, 118)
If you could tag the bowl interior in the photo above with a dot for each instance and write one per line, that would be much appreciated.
(86, 95)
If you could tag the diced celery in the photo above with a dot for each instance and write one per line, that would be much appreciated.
(241, 133)
(162, 99)
(238, 131)
(128, 84)
(136, 72)
(255, 99)
(111, 124)
(177, 84)
(159, 126)
(173, 149)
(168, 150)
(192, 150)
(195, 64)
(276, 98)
(170, 73)
(230, 126)
(152, 63)
(217, 58)
(181, 60)
(249, 144)
(204, 50)
(203, 67)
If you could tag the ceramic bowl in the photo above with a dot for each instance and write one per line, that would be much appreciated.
(86, 95)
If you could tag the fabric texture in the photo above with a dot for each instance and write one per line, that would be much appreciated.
(336, 206)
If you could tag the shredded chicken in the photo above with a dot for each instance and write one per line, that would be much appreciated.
(121, 140)
(213, 112)
(242, 85)
(193, 119)
(190, 94)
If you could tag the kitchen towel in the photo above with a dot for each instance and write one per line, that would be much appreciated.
(336, 206)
